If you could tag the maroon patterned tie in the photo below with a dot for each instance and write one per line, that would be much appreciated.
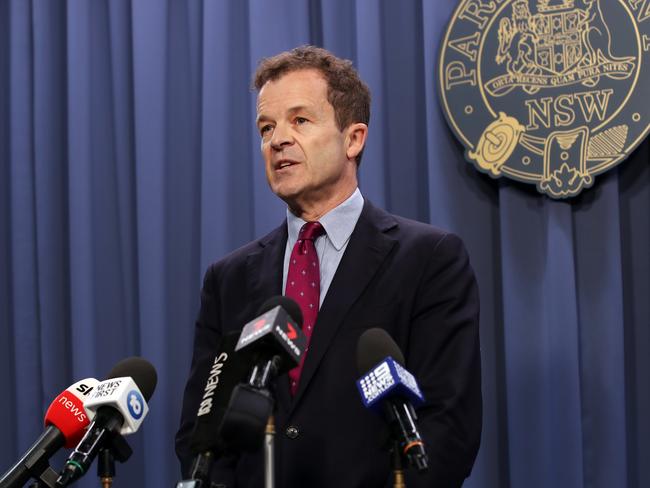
(303, 285)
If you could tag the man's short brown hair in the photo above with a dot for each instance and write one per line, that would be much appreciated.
(346, 92)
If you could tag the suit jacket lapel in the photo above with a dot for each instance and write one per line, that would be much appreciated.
(367, 249)
(264, 274)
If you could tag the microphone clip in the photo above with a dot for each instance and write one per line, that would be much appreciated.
(198, 484)
(46, 479)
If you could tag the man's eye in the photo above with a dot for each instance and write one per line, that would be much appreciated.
(301, 120)
(265, 129)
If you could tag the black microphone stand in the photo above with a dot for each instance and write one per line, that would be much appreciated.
(249, 422)
(269, 453)
(106, 467)
(259, 379)
(116, 450)
(396, 466)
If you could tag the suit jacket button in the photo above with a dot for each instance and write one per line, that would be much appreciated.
(292, 432)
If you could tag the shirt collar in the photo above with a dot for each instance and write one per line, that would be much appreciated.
(338, 222)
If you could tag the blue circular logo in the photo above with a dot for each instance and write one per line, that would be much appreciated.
(135, 403)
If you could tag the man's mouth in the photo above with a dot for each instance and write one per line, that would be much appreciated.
(284, 164)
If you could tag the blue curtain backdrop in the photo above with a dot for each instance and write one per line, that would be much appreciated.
(129, 161)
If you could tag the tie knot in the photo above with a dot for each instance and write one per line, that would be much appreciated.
(311, 230)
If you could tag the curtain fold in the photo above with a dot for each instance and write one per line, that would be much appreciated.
(129, 161)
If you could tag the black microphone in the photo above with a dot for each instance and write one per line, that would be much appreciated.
(276, 342)
(120, 409)
(275, 338)
(227, 371)
(386, 386)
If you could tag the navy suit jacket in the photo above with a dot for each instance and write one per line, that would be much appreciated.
(409, 278)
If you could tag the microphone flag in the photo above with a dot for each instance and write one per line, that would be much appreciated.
(386, 380)
(123, 395)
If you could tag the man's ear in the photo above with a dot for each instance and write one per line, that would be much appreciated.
(355, 139)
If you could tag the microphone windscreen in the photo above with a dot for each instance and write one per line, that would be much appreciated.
(67, 412)
(142, 372)
(373, 347)
(288, 304)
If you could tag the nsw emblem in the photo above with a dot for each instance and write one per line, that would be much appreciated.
(548, 92)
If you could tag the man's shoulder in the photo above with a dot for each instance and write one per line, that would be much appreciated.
(420, 229)
(417, 241)
(239, 256)
(406, 229)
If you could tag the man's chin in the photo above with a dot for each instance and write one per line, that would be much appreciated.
(286, 193)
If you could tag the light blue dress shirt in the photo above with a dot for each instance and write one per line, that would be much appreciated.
(338, 224)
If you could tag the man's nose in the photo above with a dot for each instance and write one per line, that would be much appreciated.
(281, 137)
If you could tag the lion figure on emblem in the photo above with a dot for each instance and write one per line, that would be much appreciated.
(521, 37)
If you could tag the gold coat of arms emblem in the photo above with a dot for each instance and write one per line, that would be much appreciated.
(550, 92)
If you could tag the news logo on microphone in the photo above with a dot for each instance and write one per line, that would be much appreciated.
(136, 404)
(124, 396)
(72, 400)
(274, 328)
(388, 378)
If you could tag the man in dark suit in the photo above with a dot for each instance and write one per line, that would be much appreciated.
(375, 269)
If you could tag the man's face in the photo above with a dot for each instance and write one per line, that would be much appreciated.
(304, 150)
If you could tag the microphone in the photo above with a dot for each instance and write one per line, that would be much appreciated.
(120, 405)
(275, 338)
(227, 371)
(276, 343)
(65, 422)
(386, 386)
